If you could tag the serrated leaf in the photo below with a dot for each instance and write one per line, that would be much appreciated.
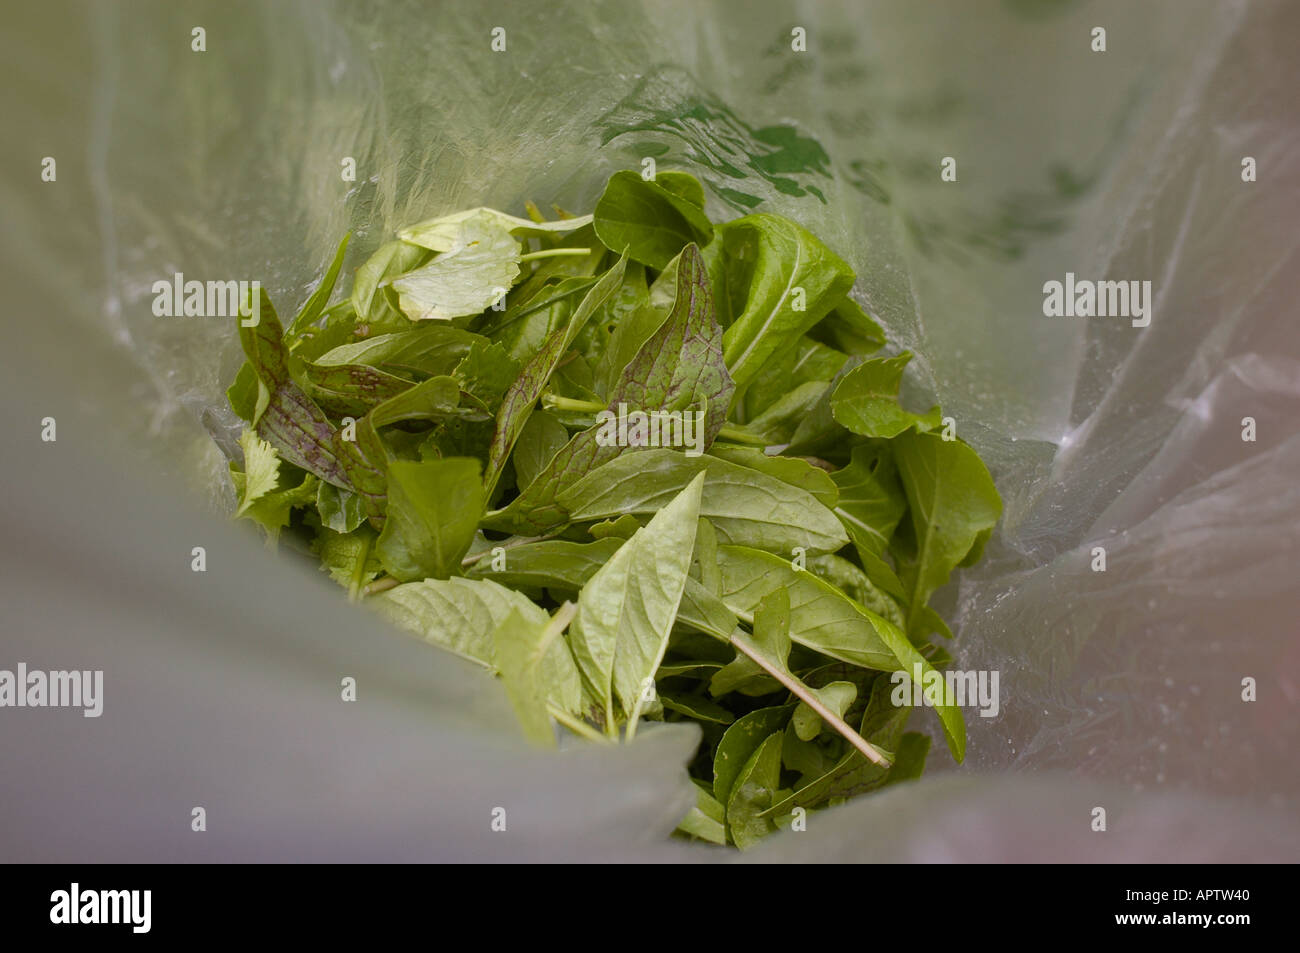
(261, 470)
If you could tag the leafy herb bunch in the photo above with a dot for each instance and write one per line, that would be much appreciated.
(443, 441)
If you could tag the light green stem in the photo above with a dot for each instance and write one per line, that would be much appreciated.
(555, 253)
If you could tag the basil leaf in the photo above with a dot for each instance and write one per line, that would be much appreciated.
(952, 506)
(433, 511)
(850, 329)
(539, 441)
(434, 349)
(518, 401)
(740, 743)
(821, 616)
(866, 401)
(625, 611)
(315, 304)
(649, 222)
(390, 260)
(754, 790)
(705, 820)
(745, 506)
(444, 233)
(837, 696)
(461, 616)
(474, 273)
(285, 416)
(773, 281)
(679, 367)
(519, 651)
(340, 510)
(549, 564)
(871, 500)
(792, 470)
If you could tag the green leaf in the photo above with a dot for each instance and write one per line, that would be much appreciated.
(340, 510)
(806, 362)
(287, 418)
(753, 792)
(519, 400)
(683, 185)
(705, 820)
(531, 317)
(434, 398)
(461, 616)
(871, 502)
(649, 222)
(433, 511)
(626, 610)
(272, 509)
(520, 649)
(744, 505)
(909, 763)
(772, 639)
(850, 329)
(486, 372)
(697, 707)
(471, 275)
(539, 441)
(792, 470)
(866, 401)
(837, 696)
(773, 280)
(433, 349)
(678, 370)
(349, 558)
(444, 233)
(261, 470)
(548, 564)
(821, 617)
(390, 260)
(315, 304)
(631, 316)
(739, 744)
(856, 584)
(952, 505)
(350, 389)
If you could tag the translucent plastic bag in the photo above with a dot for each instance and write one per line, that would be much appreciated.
(1121, 688)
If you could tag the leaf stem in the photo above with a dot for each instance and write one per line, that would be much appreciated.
(802, 692)
(381, 585)
(354, 587)
(555, 253)
(576, 725)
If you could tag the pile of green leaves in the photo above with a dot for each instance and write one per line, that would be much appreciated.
(431, 438)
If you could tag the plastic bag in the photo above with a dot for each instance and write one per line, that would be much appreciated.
(1122, 688)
